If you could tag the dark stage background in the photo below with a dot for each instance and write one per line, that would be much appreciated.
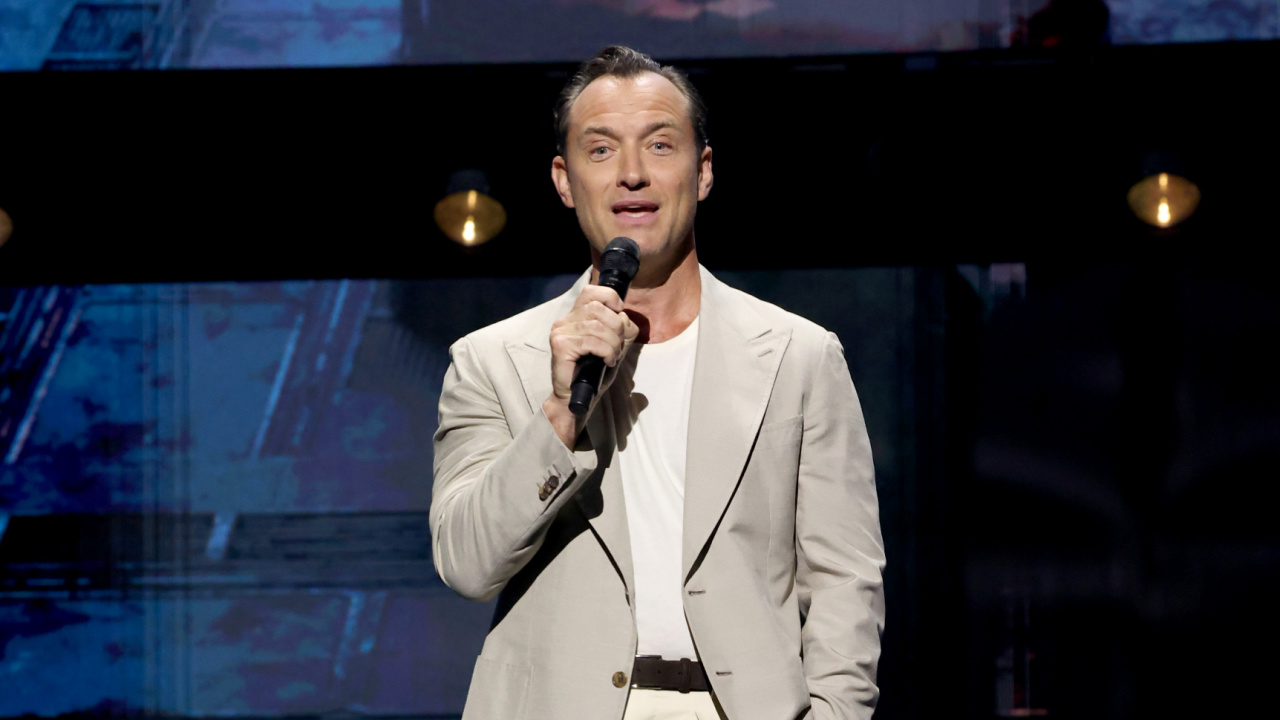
(225, 310)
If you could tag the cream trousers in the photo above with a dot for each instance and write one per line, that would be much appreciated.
(671, 705)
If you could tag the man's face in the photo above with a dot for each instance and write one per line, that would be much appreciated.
(632, 166)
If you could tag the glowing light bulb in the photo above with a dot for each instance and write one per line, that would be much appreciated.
(467, 215)
(1164, 200)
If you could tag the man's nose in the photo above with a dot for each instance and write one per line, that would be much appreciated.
(631, 171)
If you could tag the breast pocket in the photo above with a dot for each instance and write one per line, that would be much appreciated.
(781, 438)
(782, 430)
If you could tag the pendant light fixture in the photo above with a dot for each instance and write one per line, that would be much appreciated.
(468, 215)
(1164, 196)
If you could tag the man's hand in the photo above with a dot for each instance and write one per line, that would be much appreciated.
(595, 326)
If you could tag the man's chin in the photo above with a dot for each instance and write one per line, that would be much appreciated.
(642, 236)
(647, 247)
(653, 245)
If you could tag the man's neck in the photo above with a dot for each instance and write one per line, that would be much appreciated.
(663, 309)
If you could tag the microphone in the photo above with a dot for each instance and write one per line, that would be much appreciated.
(618, 266)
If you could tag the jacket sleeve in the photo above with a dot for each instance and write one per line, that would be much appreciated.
(839, 550)
(495, 491)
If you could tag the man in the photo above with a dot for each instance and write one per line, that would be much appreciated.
(716, 508)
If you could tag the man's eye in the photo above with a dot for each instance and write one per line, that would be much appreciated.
(599, 150)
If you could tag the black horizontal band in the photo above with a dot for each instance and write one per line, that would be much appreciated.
(653, 673)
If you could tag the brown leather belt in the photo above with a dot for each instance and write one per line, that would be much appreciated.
(653, 673)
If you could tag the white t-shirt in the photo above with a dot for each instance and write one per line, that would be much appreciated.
(655, 383)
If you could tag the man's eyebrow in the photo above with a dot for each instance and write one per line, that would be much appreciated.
(654, 127)
(612, 134)
(600, 130)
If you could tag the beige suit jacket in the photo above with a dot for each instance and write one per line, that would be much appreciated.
(782, 552)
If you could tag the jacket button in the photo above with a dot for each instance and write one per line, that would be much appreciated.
(619, 679)
(553, 482)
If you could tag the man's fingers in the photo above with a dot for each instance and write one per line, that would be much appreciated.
(605, 345)
(607, 349)
(590, 338)
(595, 319)
(603, 295)
(595, 326)
(615, 322)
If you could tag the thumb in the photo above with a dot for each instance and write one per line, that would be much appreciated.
(630, 331)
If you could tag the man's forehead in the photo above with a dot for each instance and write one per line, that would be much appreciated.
(648, 93)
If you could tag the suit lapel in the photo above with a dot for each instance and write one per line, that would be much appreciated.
(737, 361)
(533, 366)
(600, 498)
(531, 353)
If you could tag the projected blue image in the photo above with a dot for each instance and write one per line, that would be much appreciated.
(83, 35)
(213, 497)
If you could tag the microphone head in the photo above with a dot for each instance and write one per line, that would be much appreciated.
(621, 255)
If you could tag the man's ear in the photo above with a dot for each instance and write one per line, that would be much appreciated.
(560, 178)
(705, 177)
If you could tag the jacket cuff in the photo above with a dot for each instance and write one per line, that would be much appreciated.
(561, 470)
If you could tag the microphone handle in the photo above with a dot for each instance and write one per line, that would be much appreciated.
(590, 370)
(586, 383)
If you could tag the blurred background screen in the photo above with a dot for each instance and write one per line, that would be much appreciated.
(97, 35)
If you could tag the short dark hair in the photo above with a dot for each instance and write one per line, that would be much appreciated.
(623, 62)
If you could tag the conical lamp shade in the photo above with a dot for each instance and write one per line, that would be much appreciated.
(1164, 199)
(470, 217)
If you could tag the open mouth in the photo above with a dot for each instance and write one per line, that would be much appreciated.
(634, 208)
